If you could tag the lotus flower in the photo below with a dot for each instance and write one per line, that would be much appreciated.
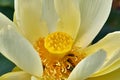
(51, 40)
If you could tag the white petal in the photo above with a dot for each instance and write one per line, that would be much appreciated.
(33, 78)
(28, 18)
(49, 14)
(4, 21)
(115, 75)
(16, 76)
(113, 67)
(20, 51)
(113, 58)
(94, 14)
(88, 66)
(69, 16)
(109, 43)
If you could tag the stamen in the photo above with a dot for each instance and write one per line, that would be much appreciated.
(58, 43)
(55, 67)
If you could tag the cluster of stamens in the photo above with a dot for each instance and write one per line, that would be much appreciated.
(55, 67)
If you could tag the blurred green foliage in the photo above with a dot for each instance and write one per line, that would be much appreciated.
(114, 18)
(5, 65)
(7, 8)
(8, 3)
(112, 24)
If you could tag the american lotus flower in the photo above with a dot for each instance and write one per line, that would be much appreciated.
(51, 40)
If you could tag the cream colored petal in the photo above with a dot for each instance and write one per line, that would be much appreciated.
(16, 76)
(88, 66)
(69, 16)
(94, 14)
(114, 66)
(49, 14)
(113, 58)
(112, 63)
(28, 17)
(109, 43)
(17, 49)
(33, 78)
(38, 78)
(4, 21)
(115, 75)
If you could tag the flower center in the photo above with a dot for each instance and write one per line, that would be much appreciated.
(58, 43)
(55, 66)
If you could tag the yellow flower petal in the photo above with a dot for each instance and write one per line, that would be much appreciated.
(113, 58)
(34, 78)
(115, 75)
(28, 18)
(110, 64)
(109, 69)
(88, 66)
(109, 43)
(49, 14)
(94, 13)
(16, 76)
(69, 16)
(17, 49)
